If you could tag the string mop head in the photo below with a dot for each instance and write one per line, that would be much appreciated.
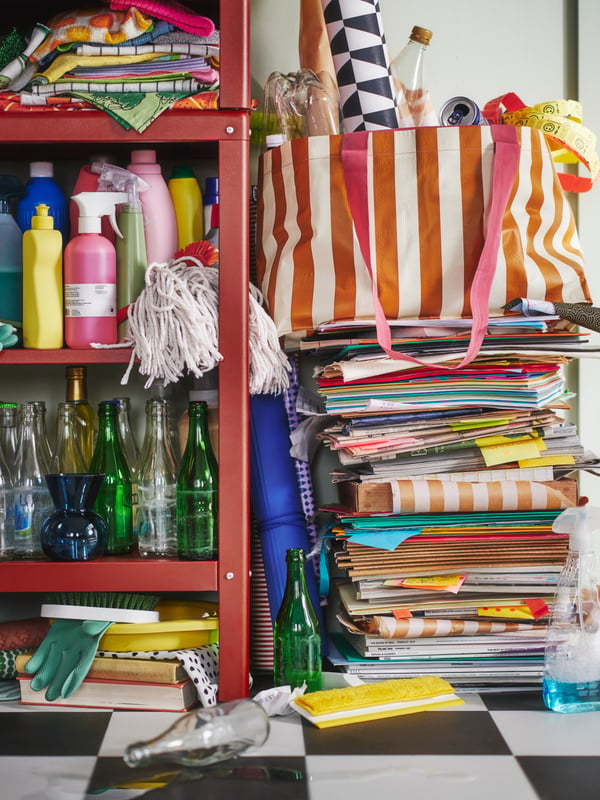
(174, 325)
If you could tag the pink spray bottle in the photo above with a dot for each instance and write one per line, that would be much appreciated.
(90, 273)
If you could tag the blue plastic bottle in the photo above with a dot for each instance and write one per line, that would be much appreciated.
(572, 656)
(42, 189)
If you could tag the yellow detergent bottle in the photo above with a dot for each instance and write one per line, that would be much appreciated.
(187, 200)
(42, 283)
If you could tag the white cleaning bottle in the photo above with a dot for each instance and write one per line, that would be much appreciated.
(572, 656)
(90, 273)
(160, 223)
(11, 256)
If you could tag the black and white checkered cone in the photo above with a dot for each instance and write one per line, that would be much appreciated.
(362, 65)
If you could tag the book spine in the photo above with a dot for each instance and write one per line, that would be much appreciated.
(126, 669)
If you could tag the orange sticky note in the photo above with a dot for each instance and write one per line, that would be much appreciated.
(437, 583)
(537, 607)
(401, 613)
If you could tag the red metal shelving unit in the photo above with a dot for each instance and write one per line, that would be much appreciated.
(228, 131)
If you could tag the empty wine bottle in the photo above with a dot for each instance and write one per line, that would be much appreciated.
(87, 422)
(67, 453)
(296, 634)
(114, 501)
(197, 493)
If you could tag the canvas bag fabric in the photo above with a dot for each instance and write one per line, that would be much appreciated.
(416, 223)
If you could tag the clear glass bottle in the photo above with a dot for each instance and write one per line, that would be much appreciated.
(7, 530)
(157, 483)
(67, 453)
(42, 429)
(9, 432)
(32, 501)
(130, 448)
(413, 99)
(572, 656)
(296, 633)
(87, 420)
(205, 736)
(114, 501)
(197, 491)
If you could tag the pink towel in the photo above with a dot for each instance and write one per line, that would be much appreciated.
(173, 12)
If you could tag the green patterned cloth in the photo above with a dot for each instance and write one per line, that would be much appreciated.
(9, 691)
(131, 109)
(8, 660)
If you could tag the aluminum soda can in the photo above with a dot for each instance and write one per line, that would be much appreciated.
(461, 111)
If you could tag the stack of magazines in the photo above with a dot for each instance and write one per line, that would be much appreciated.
(442, 553)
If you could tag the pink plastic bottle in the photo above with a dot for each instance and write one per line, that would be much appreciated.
(160, 223)
(90, 274)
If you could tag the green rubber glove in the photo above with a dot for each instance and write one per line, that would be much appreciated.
(65, 656)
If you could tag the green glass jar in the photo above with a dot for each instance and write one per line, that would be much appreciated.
(197, 491)
(114, 502)
(296, 634)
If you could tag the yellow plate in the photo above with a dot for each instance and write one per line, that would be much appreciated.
(182, 625)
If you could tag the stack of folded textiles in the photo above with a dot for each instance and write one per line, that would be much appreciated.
(116, 57)
(441, 546)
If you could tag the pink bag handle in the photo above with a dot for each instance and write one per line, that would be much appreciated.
(506, 163)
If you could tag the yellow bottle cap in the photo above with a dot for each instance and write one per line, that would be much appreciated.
(41, 220)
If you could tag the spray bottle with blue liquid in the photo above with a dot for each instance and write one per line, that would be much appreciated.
(11, 255)
(572, 657)
(131, 249)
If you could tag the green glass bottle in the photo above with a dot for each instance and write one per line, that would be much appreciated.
(114, 501)
(296, 634)
(197, 491)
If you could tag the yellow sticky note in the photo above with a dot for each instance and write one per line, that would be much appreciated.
(439, 583)
(513, 451)
(548, 461)
(505, 612)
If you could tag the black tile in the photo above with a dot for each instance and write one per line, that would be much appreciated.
(52, 733)
(270, 778)
(560, 777)
(514, 701)
(426, 733)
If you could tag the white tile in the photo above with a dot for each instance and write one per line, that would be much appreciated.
(285, 738)
(48, 778)
(127, 727)
(423, 777)
(549, 733)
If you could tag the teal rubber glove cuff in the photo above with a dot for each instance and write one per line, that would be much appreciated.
(65, 656)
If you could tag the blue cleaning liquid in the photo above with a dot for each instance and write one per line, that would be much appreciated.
(571, 698)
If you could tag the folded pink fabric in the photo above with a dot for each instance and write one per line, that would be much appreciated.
(171, 11)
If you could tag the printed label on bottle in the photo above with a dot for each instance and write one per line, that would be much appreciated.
(24, 508)
(90, 299)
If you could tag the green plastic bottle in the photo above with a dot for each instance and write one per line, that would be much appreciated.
(114, 502)
(296, 634)
(197, 491)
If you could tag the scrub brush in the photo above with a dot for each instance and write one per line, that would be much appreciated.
(102, 606)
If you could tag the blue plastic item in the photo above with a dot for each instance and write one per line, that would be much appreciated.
(42, 188)
(275, 498)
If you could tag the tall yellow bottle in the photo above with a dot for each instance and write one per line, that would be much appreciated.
(42, 283)
(187, 199)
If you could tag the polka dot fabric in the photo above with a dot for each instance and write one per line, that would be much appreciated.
(200, 663)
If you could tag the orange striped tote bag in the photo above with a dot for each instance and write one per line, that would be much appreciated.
(415, 223)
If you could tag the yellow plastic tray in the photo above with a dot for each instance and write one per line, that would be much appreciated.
(183, 624)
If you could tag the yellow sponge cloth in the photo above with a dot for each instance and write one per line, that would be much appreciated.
(375, 700)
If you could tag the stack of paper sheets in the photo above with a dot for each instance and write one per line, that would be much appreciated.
(450, 479)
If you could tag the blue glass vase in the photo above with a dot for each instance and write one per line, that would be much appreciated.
(74, 532)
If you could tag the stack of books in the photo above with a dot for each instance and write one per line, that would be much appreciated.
(449, 482)
(136, 683)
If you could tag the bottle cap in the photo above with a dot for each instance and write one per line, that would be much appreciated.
(422, 35)
(143, 157)
(182, 171)
(41, 169)
(41, 220)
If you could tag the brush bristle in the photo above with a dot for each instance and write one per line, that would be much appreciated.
(129, 600)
